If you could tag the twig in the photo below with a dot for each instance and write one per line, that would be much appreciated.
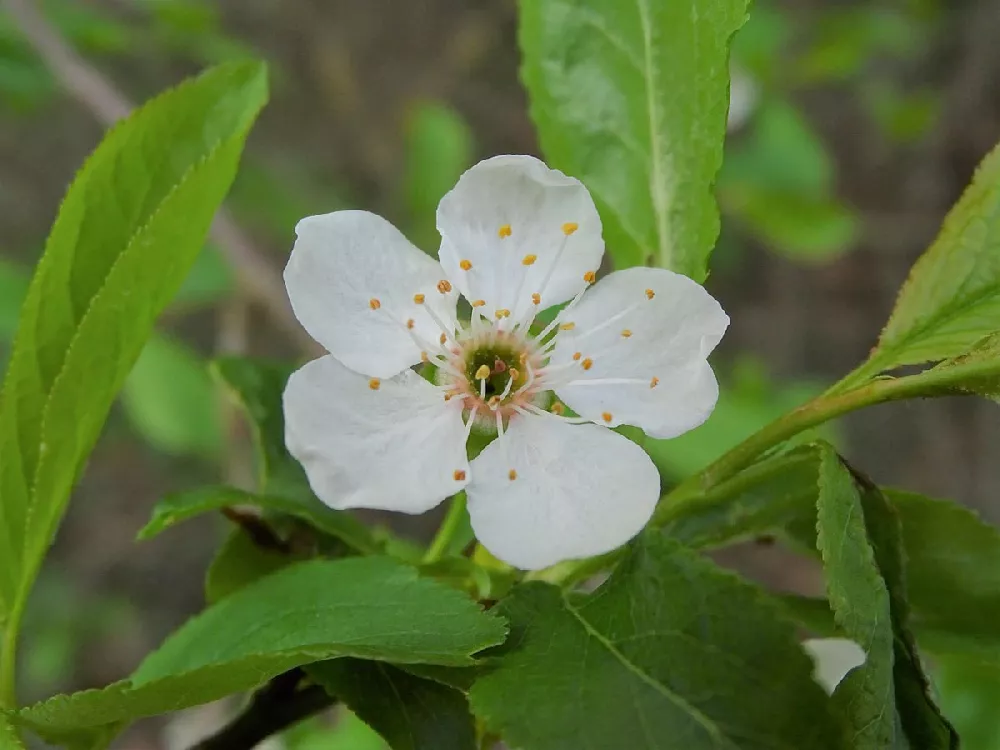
(274, 707)
(108, 105)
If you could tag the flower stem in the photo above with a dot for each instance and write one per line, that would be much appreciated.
(450, 526)
(837, 401)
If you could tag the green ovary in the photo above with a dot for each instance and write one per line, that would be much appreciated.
(500, 360)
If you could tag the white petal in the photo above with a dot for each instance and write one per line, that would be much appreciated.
(535, 203)
(579, 490)
(398, 447)
(644, 335)
(344, 260)
(833, 659)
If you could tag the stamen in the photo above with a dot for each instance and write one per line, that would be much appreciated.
(555, 322)
(444, 286)
(576, 356)
(472, 421)
(606, 381)
(418, 299)
(607, 417)
(532, 409)
(567, 326)
(443, 339)
(650, 294)
(626, 334)
(479, 303)
(587, 363)
(557, 408)
(499, 416)
(590, 277)
(410, 323)
(493, 403)
(506, 390)
(504, 231)
(483, 372)
(459, 475)
(465, 265)
(374, 303)
(569, 227)
(654, 382)
(424, 358)
(512, 474)
(374, 384)
(502, 313)
(529, 259)
(609, 321)
(514, 373)
(536, 299)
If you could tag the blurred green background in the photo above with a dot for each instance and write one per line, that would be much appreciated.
(854, 126)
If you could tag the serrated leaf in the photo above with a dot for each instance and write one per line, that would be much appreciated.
(127, 231)
(238, 563)
(860, 602)
(370, 608)
(182, 506)
(670, 652)
(952, 296)
(410, 712)
(630, 96)
(171, 400)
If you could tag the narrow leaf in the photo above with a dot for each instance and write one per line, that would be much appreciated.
(410, 712)
(129, 228)
(370, 608)
(952, 297)
(670, 652)
(631, 97)
(182, 506)
(860, 602)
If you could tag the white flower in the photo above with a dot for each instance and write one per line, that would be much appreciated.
(833, 659)
(517, 238)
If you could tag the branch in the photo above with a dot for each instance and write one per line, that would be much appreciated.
(108, 104)
(275, 707)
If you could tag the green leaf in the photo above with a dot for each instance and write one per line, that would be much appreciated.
(670, 652)
(13, 288)
(8, 736)
(171, 400)
(860, 602)
(614, 98)
(129, 228)
(952, 297)
(258, 386)
(952, 575)
(763, 498)
(439, 148)
(410, 712)
(970, 694)
(370, 608)
(238, 563)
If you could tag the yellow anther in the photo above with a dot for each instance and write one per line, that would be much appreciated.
(465, 265)
(606, 416)
(424, 357)
(576, 356)
(443, 338)
(536, 299)
(650, 294)
(410, 323)
(512, 474)
(502, 313)
(569, 227)
(528, 259)
(587, 363)
(493, 402)
(626, 334)
(479, 303)
(444, 286)
(654, 382)
(523, 357)
(514, 374)
(374, 384)
(557, 408)
(374, 304)
(459, 475)
(567, 326)
(418, 298)
(589, 277)
(449, 396)
(483, 372)
(504, 231)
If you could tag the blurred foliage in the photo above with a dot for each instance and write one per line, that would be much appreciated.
(970, 694)
(349, 733)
